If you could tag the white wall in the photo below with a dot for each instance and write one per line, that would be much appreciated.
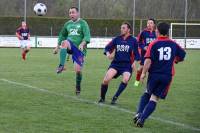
(11, 41)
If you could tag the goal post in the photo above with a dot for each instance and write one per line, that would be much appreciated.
(186, 34)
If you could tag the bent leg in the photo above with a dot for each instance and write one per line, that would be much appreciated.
(63, 51)
(122, 86)
(149, 109)
(104, 86)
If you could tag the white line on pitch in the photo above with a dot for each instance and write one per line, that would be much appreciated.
(105, 105)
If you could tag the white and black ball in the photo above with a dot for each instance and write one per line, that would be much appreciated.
(40, 9)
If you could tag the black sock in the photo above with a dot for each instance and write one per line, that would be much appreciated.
(104, 89)
(78, 81)
(121, 88)
(143, 102)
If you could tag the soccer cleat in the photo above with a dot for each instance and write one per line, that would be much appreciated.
(136, 84)
(77, 93)
(101, 101)
(140, 123)
(60, 69)
(78, 90)
(136, 117)
(114, 99)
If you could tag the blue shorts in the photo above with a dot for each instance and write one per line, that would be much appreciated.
(120, 69)
(159, 84)
(77, 55)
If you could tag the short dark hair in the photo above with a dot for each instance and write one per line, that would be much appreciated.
(73, 7)
(163, 28)
(152, 19)
(128, 25)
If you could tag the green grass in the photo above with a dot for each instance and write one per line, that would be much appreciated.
(25, 109)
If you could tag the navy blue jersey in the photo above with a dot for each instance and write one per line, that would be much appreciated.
(163, 53)
(145, 38)
(126, 50)
(25, 33)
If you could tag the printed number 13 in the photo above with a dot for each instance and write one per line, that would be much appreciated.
(164, 53)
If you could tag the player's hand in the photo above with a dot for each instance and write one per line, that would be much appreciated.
(110, 57)
(82, 45)
(55, 51)
(145, 48)
(134, 66)
(142, 77)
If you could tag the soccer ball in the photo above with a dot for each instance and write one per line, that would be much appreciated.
(40, 9)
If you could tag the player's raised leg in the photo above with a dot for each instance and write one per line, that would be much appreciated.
(122, 86)
(104, 86)
(63, 53)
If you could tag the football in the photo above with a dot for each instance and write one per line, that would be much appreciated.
(40, 9)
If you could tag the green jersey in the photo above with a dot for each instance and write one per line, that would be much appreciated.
(76, 32)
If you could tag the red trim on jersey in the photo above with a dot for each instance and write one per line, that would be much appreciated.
(125, 37)
(173, 70)
(132, 57)
(162, 37)
(151, 31)
(146, 29)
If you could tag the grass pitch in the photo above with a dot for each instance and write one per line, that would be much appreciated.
(34, 99)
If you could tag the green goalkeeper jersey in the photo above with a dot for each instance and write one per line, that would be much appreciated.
(76, 32)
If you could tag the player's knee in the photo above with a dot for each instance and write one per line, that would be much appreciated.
(64, 44)
(125, 80)
(154, 98)
(78, 68)
(78, 72)
(106, 80)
